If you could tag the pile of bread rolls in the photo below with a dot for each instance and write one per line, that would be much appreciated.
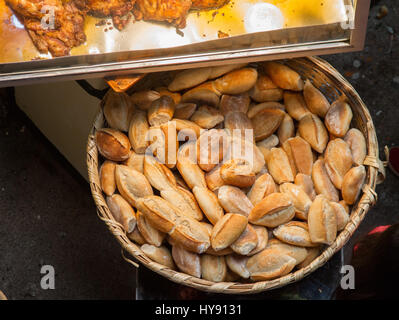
(196, 206)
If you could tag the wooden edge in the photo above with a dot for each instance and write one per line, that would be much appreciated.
(123, 83)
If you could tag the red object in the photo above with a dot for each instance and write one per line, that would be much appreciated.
(378, 229)
(394, 160)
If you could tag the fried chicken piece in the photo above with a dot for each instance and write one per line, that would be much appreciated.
(66, 33)
(172, 11)
(117, 9)
(208, 4)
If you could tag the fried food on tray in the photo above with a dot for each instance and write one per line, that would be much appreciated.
(172, 11)
(68, 24)
(208, 4)
(117, 9)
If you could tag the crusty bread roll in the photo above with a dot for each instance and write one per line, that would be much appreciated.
(205, 93)
(112, 144)
(184, 200)
(189, 78)
(138, 131)
(279, 166)
(265, 90)
(254, 109)
(275, 209)
(322, 181)
(187, 130)
(187, 262)
(352, 184)
(322, 221)
(338, 160)
(188, 168)
(286, 129)
(357, 143)
(341, 215)
(345, 206)
(135, 161)
(209, 204)
(269, 264)
(312, 129)
(227, 230)
(136, 236)
(312, 254)
(306, 183)
(237, 172)
(161, 111)
(236, 103)
(237, 264)
(163, 91)
(295, 233)
(265, 145)
(207, 117)
(266, 122)
(246, 242)
(213, 268)
(263, 239)
(218, 71)
(295, 105)
(159, 176)
(122, 212)
(131, 184)
(213, 178)
(338, 118)
(184, 111)
(262, 187)
(160, 255)
(107, 177)
(298, 253)
(233, 199)
(212, 146)
(299, 198)
(316, 102)
(299, 154)
(283, 76)
(166, 152)
(118, 109)
(143, 99)
(149, 233)
(237, 81)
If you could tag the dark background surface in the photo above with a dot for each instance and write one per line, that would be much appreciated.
(47, 215)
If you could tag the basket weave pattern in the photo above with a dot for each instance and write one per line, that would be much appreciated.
(333, 85)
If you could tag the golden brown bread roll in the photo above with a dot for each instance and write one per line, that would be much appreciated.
(263, 239)
(279, 166)
(218, 71)
(237, 81)
(236, 103)
(265, 145)
(138, 132)
(322, 221)
(299, 198)
(163, 91)
(209, 204)
(316, 102)
(118, 109)
(295, 233)
(246, 242)
(237, 172)
(306, 183)
(107, 177)
(188, 168)
(160, 255)
(322, 181)
(158, 175)
(161, 111)
(213, 268)
(286, 129)
(189, 78)
(233, 199)
(207, 117)
(273, 210)
(187, 130)
(312, 254)
(184, 111)
(167, 153)
(237, 264)
(135, 161)
(149, 233)
(352, 184)
(299, 154)
(186, 261)
(254, 109)
(341, 215)
(122, 212)
(338, 118)
(227, 230)
(312, 129)
(136, 236)
(266, 122)
(265, 90)
(357, 143)
(131, 184)
(269, 264)
(298, 253)
(184, 200)
(112, 144)
(213, 178)
(143, 99)
(295, 105)
(338, 160)
(283, 76)
(205, 93)
(262, 187)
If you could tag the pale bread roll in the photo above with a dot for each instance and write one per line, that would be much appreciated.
(338, 118)
(205, 93)
(188, 168)
(189, 78)
(306, 183)
(122, 212)
(233, 199)
(135, 161)
(136, 236)
(148, 232)
(112, 144)
(118, 109)
(237, 264)
(187, 130)
(353, 183)
(186, 261)
(237, 81)
(322, 221)
(237, 172)
(213, 268)
(357, 143)
(338, 161)
(158, 175)
(107, 177)
(322, 181)
(218, 71)
(298, 253)
(299, 154)
(313, 253)
(227, 230)
(163, 91)
(263, 238)
(299, 197)
(184, 200)
(247, 241)
(160, 255)
(265, 145)
(209, 204)
(295, 105)
(265, 90)
(295, 233)
(341, 215)
(211, 146)
(207, 117)
(138, 132)
(286, 129)
(213, 178)
(184, 111)
(312, 129)
(161, 111)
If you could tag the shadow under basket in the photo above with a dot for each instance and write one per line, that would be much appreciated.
(333, 86)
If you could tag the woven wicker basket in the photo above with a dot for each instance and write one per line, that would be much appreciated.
(333, 85)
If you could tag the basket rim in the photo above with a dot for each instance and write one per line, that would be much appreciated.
(367, 200)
